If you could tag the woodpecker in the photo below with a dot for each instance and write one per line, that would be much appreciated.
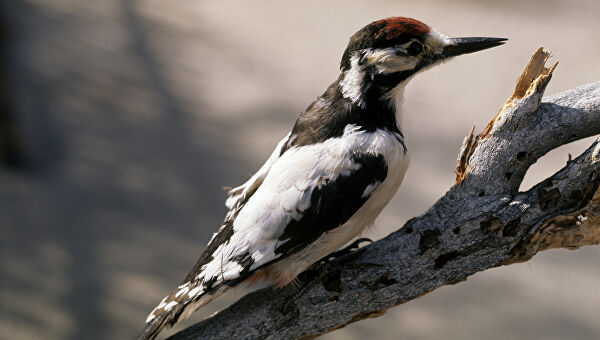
(328, 179)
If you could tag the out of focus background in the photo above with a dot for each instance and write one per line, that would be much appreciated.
(121, 120)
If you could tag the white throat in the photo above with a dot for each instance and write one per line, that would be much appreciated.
(396, 97)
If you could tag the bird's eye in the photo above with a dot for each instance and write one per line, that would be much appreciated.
(414, 49)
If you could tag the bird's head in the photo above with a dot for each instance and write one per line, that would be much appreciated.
(386, 53)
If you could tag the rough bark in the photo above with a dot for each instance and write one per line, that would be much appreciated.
(480, 223)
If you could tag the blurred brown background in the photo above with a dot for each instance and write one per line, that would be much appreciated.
(133, 115)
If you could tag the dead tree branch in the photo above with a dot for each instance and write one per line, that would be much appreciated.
(480, 223)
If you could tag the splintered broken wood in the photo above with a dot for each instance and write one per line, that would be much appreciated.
(534, 78)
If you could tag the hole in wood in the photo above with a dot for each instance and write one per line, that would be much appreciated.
(553, 161)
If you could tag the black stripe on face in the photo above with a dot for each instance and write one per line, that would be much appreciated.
(332, 203)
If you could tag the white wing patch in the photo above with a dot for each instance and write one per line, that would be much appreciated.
(194, 292)
(239, 193)
(182, 291)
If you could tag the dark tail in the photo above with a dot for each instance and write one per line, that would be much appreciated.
(168, 317)
(154, 327)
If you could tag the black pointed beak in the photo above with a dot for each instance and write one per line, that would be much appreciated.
(458, 46)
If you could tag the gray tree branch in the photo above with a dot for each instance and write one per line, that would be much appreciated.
(480, 223)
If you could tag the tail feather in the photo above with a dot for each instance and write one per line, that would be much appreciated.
(176, 307)
(155, 326)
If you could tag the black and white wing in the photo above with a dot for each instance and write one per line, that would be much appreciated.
(294, 199)
(241, 193)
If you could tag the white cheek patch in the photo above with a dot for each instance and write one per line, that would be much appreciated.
(387, 61)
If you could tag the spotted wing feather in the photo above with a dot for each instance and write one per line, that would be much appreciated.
(302, 194)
